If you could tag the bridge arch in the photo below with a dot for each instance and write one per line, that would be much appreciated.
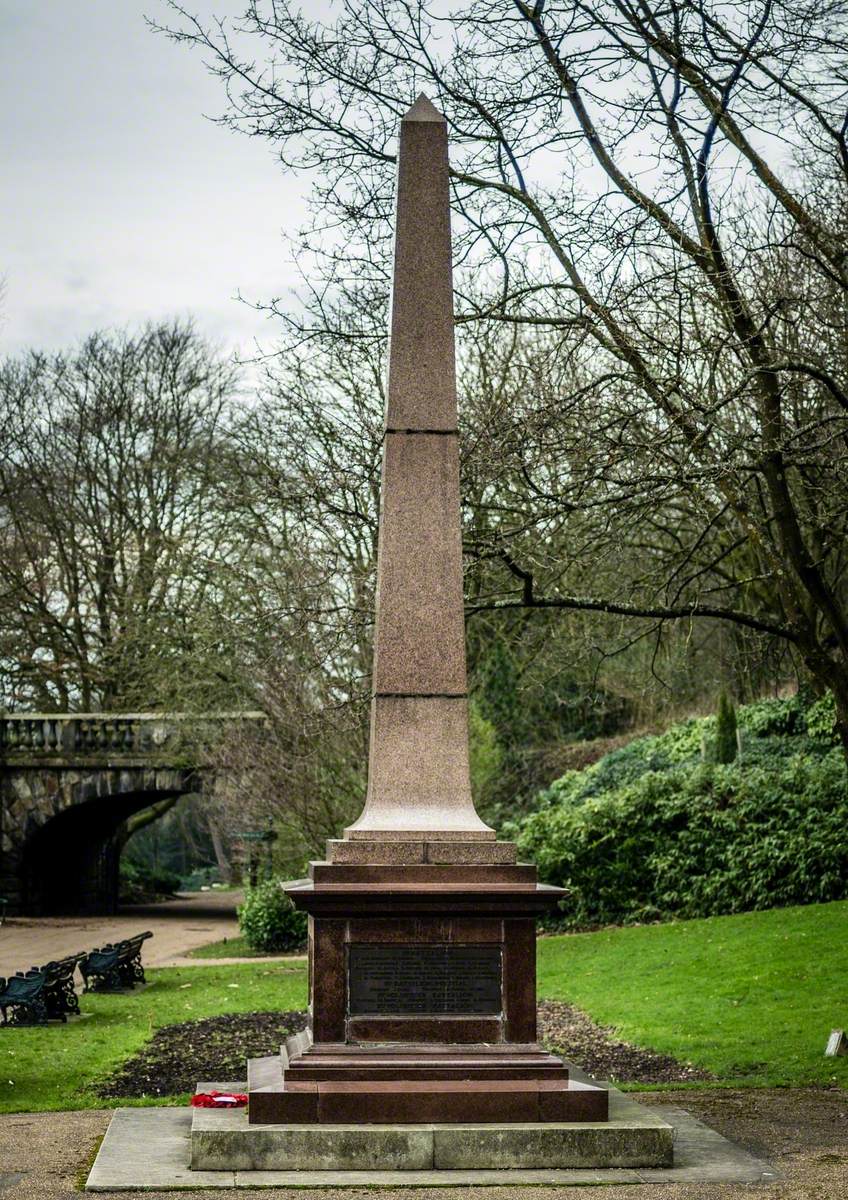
(67, 786)
(70, 862)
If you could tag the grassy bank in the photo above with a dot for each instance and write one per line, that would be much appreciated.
(751, 998)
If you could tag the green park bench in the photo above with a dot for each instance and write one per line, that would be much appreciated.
(41, 994)
(23, 1000)
(59, 991)
(114, 967)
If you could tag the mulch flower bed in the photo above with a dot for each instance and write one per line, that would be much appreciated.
(217, 1049)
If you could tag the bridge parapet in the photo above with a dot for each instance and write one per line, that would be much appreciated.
(42, 737)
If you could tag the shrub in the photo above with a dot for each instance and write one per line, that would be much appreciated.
(774, 716)
(679, 744)
(269, 921)
(139, 883)
(201, 877)
(821, 720)
(772, 729)
(652, 832)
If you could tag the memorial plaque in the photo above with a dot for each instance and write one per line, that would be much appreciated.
(424, 980)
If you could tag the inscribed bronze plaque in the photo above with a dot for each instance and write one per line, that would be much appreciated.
(429, 980)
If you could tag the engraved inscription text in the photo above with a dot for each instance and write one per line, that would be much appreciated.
(430, 980)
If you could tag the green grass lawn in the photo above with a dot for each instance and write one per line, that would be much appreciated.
(234, 947)
(751, 998)
(53, 1067)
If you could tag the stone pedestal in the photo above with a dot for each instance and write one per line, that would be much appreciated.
(422, 988)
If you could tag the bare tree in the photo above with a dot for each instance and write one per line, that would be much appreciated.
(312, 438)
(664, 189)
(115, 524)
(302, 771)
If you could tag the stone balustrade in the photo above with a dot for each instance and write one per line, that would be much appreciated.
(109, 735)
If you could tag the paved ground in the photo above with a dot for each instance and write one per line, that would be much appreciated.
(803, 1131)
(178, 926)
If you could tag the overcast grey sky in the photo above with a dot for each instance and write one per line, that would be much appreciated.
(120, 201)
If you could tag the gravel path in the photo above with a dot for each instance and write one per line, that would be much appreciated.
(801, 1130)
(177, 925)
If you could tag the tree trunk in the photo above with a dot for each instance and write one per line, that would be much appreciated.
(224, 864)
(141, 820)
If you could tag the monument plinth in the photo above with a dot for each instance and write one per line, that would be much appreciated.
(422, 964)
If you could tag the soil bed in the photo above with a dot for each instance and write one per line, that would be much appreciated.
(217, 1048)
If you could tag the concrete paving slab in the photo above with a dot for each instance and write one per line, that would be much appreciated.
(430, 1179)
(149, 1148)
(695, 1144)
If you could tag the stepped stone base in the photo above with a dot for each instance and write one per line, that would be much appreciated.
(469, 1084)
(632, 1137)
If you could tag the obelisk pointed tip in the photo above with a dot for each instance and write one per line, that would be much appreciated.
(423, 110)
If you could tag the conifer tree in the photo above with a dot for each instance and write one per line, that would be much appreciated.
(725, 740)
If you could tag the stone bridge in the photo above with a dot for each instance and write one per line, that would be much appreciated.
(69, 783)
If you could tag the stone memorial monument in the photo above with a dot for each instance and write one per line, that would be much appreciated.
(422, 957)
(422, 926)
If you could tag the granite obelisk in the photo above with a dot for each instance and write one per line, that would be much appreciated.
(420, 1051)
(421, 924)
(418, 775)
